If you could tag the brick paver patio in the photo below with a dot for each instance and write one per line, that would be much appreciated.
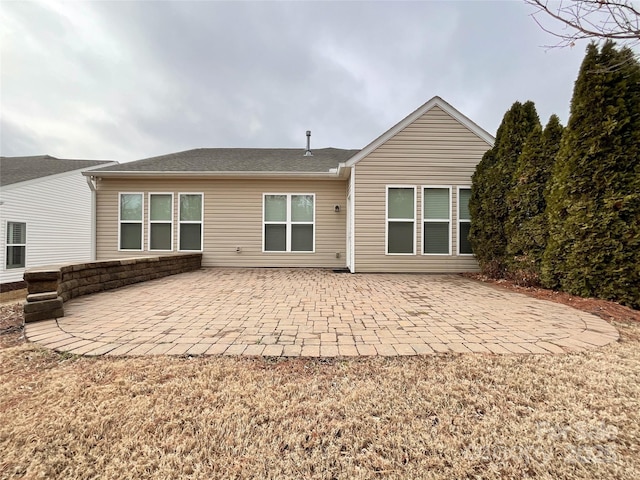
(315, 312)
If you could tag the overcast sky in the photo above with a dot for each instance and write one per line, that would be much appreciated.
(129, 80)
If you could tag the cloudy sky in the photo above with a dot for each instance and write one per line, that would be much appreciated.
(129, 80)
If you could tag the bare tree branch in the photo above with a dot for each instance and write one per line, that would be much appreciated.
(588, 19)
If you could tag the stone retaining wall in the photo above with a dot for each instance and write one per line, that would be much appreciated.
(49, 287)
(12, 286)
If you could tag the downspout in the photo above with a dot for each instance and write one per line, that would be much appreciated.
(92, 186)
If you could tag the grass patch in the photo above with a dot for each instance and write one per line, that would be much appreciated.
(447, 416)
(450, 416)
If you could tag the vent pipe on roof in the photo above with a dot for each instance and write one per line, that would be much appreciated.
(308, 152)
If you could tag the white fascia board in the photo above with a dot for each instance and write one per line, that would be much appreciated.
(412, 117)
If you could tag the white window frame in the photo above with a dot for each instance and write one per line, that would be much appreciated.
(458, 221)
(120, 222)
(192, 222)
(424, 220)
(8, 245)
(288, 223)
(151, 222)
(387, 219)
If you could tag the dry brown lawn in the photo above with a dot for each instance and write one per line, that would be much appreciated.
(445, 416)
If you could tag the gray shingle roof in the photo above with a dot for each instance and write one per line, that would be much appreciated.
(289, 160)
(20, 169)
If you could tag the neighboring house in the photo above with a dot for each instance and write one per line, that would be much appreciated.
(398, 205)
(45, 213)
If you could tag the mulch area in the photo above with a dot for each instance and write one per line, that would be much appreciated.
(605, 309)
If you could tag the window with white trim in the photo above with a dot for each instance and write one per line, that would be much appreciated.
(130, 221)
(16, 245)
(190, 224)
(161, 221)
(288, 222)
(401, 220)
(436, 220)
(464, 221)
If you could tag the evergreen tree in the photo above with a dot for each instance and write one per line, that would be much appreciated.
(526, 228)
(593, 202)
(491, 181)
(480, 235)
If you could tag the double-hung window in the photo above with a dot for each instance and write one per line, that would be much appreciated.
(16, 244)
(436, 231)
(289, 222)
(401, 220)
(130, 221)
(161, 221)
(464, 221)
(190, 225)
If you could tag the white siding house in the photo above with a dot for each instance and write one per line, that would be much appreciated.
(46, 212)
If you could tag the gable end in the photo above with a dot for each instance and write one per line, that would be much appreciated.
(412, 117)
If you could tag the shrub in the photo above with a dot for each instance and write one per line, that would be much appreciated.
(526, 228)
(593, 199)
(490, 183)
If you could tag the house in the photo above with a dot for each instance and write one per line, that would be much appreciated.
(45, 214)
(400, 204)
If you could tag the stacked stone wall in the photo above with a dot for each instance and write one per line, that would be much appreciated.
(49, 287)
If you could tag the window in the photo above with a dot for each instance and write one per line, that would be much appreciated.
(289, 222)
(130, 219)
(436, 217)
(160, 221)
(190, 231)
(401, 210)
(16, 244)
(464, 221)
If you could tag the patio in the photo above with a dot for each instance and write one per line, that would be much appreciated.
(316, 313)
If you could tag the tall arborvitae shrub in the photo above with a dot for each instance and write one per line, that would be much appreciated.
(490, 183)
(526, 228)
(593, 202)
(480, 233)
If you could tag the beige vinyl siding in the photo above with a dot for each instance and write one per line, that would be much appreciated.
(232, 218)
(433, 150)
